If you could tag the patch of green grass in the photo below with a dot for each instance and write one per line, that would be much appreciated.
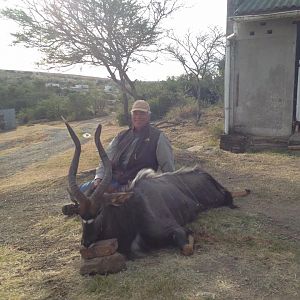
(225, 226)
(138, 284)
(238, 229)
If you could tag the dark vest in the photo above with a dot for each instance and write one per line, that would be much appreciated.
(143, 156)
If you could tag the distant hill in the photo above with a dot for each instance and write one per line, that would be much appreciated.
(41, 95)
(13, 75)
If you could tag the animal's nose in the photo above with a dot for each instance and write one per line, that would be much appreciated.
(86, 243)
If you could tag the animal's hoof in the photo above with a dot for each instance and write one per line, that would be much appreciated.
(70, 209)
(187, 250)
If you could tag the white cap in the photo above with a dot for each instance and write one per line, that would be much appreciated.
(140, 105)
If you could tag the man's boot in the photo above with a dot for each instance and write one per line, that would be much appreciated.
(70, 209)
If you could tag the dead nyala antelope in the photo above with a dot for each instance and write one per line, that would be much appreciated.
(153, 211)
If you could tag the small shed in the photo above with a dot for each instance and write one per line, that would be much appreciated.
(262, 85)
(7, 119)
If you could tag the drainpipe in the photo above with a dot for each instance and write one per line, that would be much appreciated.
(227, 80)
(298, 96)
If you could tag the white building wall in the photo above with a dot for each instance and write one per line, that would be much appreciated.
(262, 88)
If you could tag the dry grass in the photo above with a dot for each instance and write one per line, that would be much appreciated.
(56, 165)
(52, 168)
(24, 134)
(249, 253)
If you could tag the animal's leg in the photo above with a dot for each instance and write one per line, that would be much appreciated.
(138, 247)
(184, 240)
(188, 249)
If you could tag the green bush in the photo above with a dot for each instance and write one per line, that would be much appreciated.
(73, 108)
(77, 106)
(185, 111)
(161, 96)
(155, 108)
(25, 115)
(122, 120)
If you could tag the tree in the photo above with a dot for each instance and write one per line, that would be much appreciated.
(200, 56)
(162, 95)
(97, 101)
(108, 33)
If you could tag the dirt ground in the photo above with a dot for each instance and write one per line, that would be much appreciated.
(248, 253)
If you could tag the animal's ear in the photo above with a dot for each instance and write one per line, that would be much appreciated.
(117, 199)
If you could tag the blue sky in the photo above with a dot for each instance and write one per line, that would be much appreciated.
(197, 16)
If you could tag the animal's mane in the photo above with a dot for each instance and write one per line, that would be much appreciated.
(149, 173)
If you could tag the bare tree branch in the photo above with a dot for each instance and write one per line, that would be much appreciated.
(108, 33)
(199, 56)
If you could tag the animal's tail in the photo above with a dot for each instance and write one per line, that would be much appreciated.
(244, 193)
(230, 195)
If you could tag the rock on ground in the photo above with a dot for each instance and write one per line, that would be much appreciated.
(103, 265)
(100, 249)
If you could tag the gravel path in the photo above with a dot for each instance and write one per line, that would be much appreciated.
(56, 140)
